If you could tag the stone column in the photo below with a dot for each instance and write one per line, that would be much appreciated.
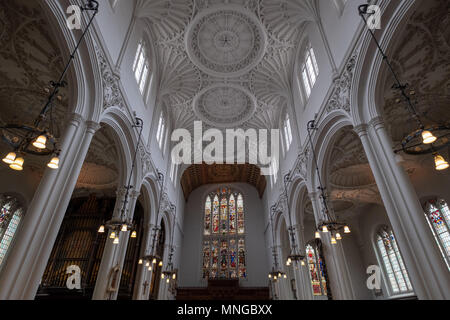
(114, 254)
(28, 258)
(426, 268)
(141, 277)
(338, 273)
(302, 278)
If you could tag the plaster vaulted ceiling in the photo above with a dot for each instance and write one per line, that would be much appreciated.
(225, 62)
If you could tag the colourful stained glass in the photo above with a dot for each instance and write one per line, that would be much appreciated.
(9, 222)
(223, 251)
(315, 271)
(216, 215)
(393, 262)
(233, 259)
(232, 224)
(240, 210)
(241, 252)
(215, 258)
(223, 259)
(439, 220)
(208, 217)
(224, 215)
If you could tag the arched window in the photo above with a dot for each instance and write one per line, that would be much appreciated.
(317, 269)
(160, 133)
(287, 132)
(10, 216)
(141, 66)
(438, 216)
(224, 236)
(392, 261)
(309, 70)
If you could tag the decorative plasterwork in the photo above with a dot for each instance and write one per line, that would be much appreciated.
(225, 41)
(268, 71)
(112, 95)
(224, 106)
(201, 174)
(340, 98)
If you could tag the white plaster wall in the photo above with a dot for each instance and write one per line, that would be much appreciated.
(191, 255)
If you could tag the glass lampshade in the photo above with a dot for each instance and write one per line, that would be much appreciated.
(124, 228)
(112, 235)
(17, 164)
(54, 163)
(116, 240)
(324, 229)
(347, 229)
(9, 159)
(338, 236)
(101, 229)
(333, 240)
(40, 142)
(317, 235)
(134, 234)
(140, 261)
(428, 137)
(440, 162)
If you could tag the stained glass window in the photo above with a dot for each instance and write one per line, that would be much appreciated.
(317, 270)
(393, 262)
(224, 245)
(438, 216)
(10, 216)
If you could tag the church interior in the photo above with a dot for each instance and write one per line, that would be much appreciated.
(353, 205)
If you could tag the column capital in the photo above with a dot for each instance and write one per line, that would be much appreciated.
(377, 122)
(92, 126)
(76, 119)
(361, 129)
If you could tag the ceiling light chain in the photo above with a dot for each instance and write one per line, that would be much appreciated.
(123, 223)
(329, 223)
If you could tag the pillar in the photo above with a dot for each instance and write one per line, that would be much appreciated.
(428, 273)
(301, 273)
(114, 254)
(338, 273)
(26, 263)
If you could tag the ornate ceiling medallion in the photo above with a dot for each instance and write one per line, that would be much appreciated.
(225, 41)
(224, 105)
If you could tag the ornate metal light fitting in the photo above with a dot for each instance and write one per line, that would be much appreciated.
(123, 223)
(153, 257)
(276, 274)
(426, 139)
(329, 223)
(38, 139)
(169, 273)
(295, 255)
